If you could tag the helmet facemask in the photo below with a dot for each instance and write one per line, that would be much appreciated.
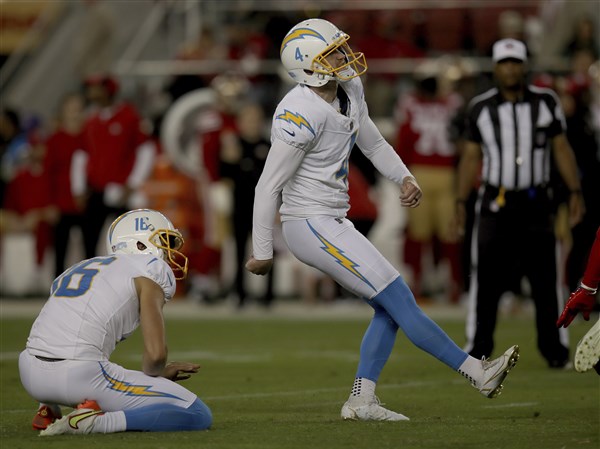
(170, 242)
(355, 65)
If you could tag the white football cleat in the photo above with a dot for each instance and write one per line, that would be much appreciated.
(495, 371)
(79, 421)
(587, 353)
(363, 408)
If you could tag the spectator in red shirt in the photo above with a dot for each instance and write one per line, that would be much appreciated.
(216, 129)
(118, 156)
(27, 203)
(61, 145)
(424, 144)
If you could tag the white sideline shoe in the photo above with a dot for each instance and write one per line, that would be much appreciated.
(495, 371)
(587, 353)
(79, 421)
(368, 409)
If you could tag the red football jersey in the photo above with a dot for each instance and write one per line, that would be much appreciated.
(111, 140)
(60, 148)
(27, 191)
(423, 136)
(591, 277)
(210, 124)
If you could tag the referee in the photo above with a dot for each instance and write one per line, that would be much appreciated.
(515, 128)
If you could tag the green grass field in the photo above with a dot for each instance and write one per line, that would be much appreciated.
(280, 383)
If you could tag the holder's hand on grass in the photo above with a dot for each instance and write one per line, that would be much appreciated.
(177, 371)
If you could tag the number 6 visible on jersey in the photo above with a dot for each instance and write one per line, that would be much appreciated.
(83, 276)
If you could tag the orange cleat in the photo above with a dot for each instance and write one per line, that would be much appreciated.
(44, 417)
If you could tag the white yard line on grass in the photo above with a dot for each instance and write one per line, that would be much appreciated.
(512, 405)
(314, 391)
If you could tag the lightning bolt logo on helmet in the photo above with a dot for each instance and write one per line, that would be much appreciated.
(300, 33)
(305, 50)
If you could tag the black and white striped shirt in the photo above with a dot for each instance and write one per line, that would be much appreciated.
(515, 138)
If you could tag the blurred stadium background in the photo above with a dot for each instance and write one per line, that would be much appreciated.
(214, 53)
(276, 377)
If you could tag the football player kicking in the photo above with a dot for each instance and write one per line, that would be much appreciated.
(583, 299)
(94, 305)
(314, 129)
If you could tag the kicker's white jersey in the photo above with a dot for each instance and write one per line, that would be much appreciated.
(94, 305)
(304, 120)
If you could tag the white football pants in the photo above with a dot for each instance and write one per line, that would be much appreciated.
(335, 247)
(70, 382)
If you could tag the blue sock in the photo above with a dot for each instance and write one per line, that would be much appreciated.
(399, 302)
(168, 417)
(377, 345)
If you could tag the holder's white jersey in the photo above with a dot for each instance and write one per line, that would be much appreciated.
(94, 305)
(303, 120)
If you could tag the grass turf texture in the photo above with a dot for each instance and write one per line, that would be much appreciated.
(280, 383)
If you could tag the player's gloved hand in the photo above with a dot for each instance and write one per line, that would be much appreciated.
(581, 300)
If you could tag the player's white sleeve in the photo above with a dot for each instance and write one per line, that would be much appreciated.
(160, 272)
(144, 162)
(380, 152)
(78, 172)
(281, 164)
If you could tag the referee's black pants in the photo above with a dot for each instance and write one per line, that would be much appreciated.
(511, 241)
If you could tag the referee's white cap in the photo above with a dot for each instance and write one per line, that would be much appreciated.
(509, 49)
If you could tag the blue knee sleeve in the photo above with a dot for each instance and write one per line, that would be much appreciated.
(169, 417)
(376, 345)
(399, 302)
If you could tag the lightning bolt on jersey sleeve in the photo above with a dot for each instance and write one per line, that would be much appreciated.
(94, 305)
(292, 124)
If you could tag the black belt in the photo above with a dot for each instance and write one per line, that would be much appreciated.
(531, 193)
(48, 359)
(527, 190)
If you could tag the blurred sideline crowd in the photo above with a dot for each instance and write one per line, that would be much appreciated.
(104, 153)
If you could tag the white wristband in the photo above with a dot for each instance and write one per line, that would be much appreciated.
(589, 289)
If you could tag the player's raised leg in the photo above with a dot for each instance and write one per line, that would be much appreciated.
(337, 249)
(485, 375)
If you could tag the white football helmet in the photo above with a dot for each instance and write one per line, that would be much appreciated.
(305, 49)
(146, 231)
